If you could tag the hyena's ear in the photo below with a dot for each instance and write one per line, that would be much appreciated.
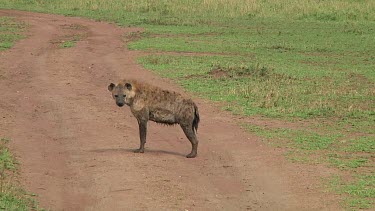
(111, 86)
(128, 86)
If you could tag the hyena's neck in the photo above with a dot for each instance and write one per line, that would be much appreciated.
(130, 102)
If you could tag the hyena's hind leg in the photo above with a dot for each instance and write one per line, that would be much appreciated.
(190, 134)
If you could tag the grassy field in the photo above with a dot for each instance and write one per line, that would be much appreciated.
(308, 63)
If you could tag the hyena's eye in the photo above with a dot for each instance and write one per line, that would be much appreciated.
(124, 95)
(116, 95)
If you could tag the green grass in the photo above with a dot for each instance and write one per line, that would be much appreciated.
(294, 71)
(69, 43)
(192, 12)
(333, 147)
(361, 144)
(359, 192)
(12, 197)
(266, 89)
(10, 32)
(309, 62)
(298, 139)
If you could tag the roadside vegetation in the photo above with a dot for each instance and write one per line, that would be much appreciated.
(10, 32)
(309, 64)
(12, 197)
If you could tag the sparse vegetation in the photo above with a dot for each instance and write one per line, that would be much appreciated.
(305, 61)
(70, 42)
(359, 193)
(10, 32)
(12, 197)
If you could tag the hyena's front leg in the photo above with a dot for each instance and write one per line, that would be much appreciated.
(142, 135)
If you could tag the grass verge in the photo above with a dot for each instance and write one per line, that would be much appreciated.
(10, 32)
(359, 192)
(329, 126)
(12, 197)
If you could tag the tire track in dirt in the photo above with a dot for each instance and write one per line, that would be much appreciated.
(75, 146)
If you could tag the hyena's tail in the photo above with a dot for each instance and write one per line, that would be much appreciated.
(196, 118)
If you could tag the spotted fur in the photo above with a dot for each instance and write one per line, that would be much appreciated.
(148, 102)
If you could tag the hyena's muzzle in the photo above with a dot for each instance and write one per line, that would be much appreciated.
(120, 100)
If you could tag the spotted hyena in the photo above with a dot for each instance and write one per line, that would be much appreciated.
(148, 102)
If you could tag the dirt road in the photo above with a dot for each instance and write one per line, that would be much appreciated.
(75, 145)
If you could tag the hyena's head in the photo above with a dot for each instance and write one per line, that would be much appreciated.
(123, 93)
